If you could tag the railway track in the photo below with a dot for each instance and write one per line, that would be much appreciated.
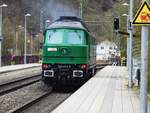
(29, 104)
(22, 98)
(14, 85)
(26, 99)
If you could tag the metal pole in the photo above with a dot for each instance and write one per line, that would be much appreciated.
(127, 44)
(144, 69)
(41, 20)
(128, 19)
(81, 9)
(0, 36)
(25, 41)
(128, 41)
(130, 44)
(31, 42)
(17, 41)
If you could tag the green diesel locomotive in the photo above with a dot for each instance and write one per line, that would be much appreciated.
(69, 52)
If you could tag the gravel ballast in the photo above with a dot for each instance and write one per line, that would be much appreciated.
(47, 104)
(22, 96)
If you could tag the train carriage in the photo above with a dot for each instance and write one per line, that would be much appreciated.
(69, 52)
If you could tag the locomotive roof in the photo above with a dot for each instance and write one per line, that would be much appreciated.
(67, 24)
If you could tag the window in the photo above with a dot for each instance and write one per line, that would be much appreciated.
(110, 48)
(74, 37)
(64, 36)
(55, 37)
(102, 47)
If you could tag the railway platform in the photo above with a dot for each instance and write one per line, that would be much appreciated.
(18, 72)
(106, 92)
(5, 69)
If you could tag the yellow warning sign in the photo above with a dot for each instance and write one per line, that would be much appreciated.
(142, 17)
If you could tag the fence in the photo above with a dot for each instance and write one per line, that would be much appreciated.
(9, 60)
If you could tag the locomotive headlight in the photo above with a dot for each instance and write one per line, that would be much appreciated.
(44, 66)
(64, 51)
(84, 66)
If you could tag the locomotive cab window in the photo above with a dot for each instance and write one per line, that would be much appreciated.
(54, 37)
(75, 37)
(65, 36)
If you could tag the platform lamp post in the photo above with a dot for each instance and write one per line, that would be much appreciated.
(127, 15)
(16, 37)
(1, 37)
(25, 39)
(130, 27)
(129, 40)
(47, 23)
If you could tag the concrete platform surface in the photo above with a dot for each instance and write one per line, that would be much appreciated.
(10, 68)
(106, 92)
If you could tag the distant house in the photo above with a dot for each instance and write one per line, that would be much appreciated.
(106, 50)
